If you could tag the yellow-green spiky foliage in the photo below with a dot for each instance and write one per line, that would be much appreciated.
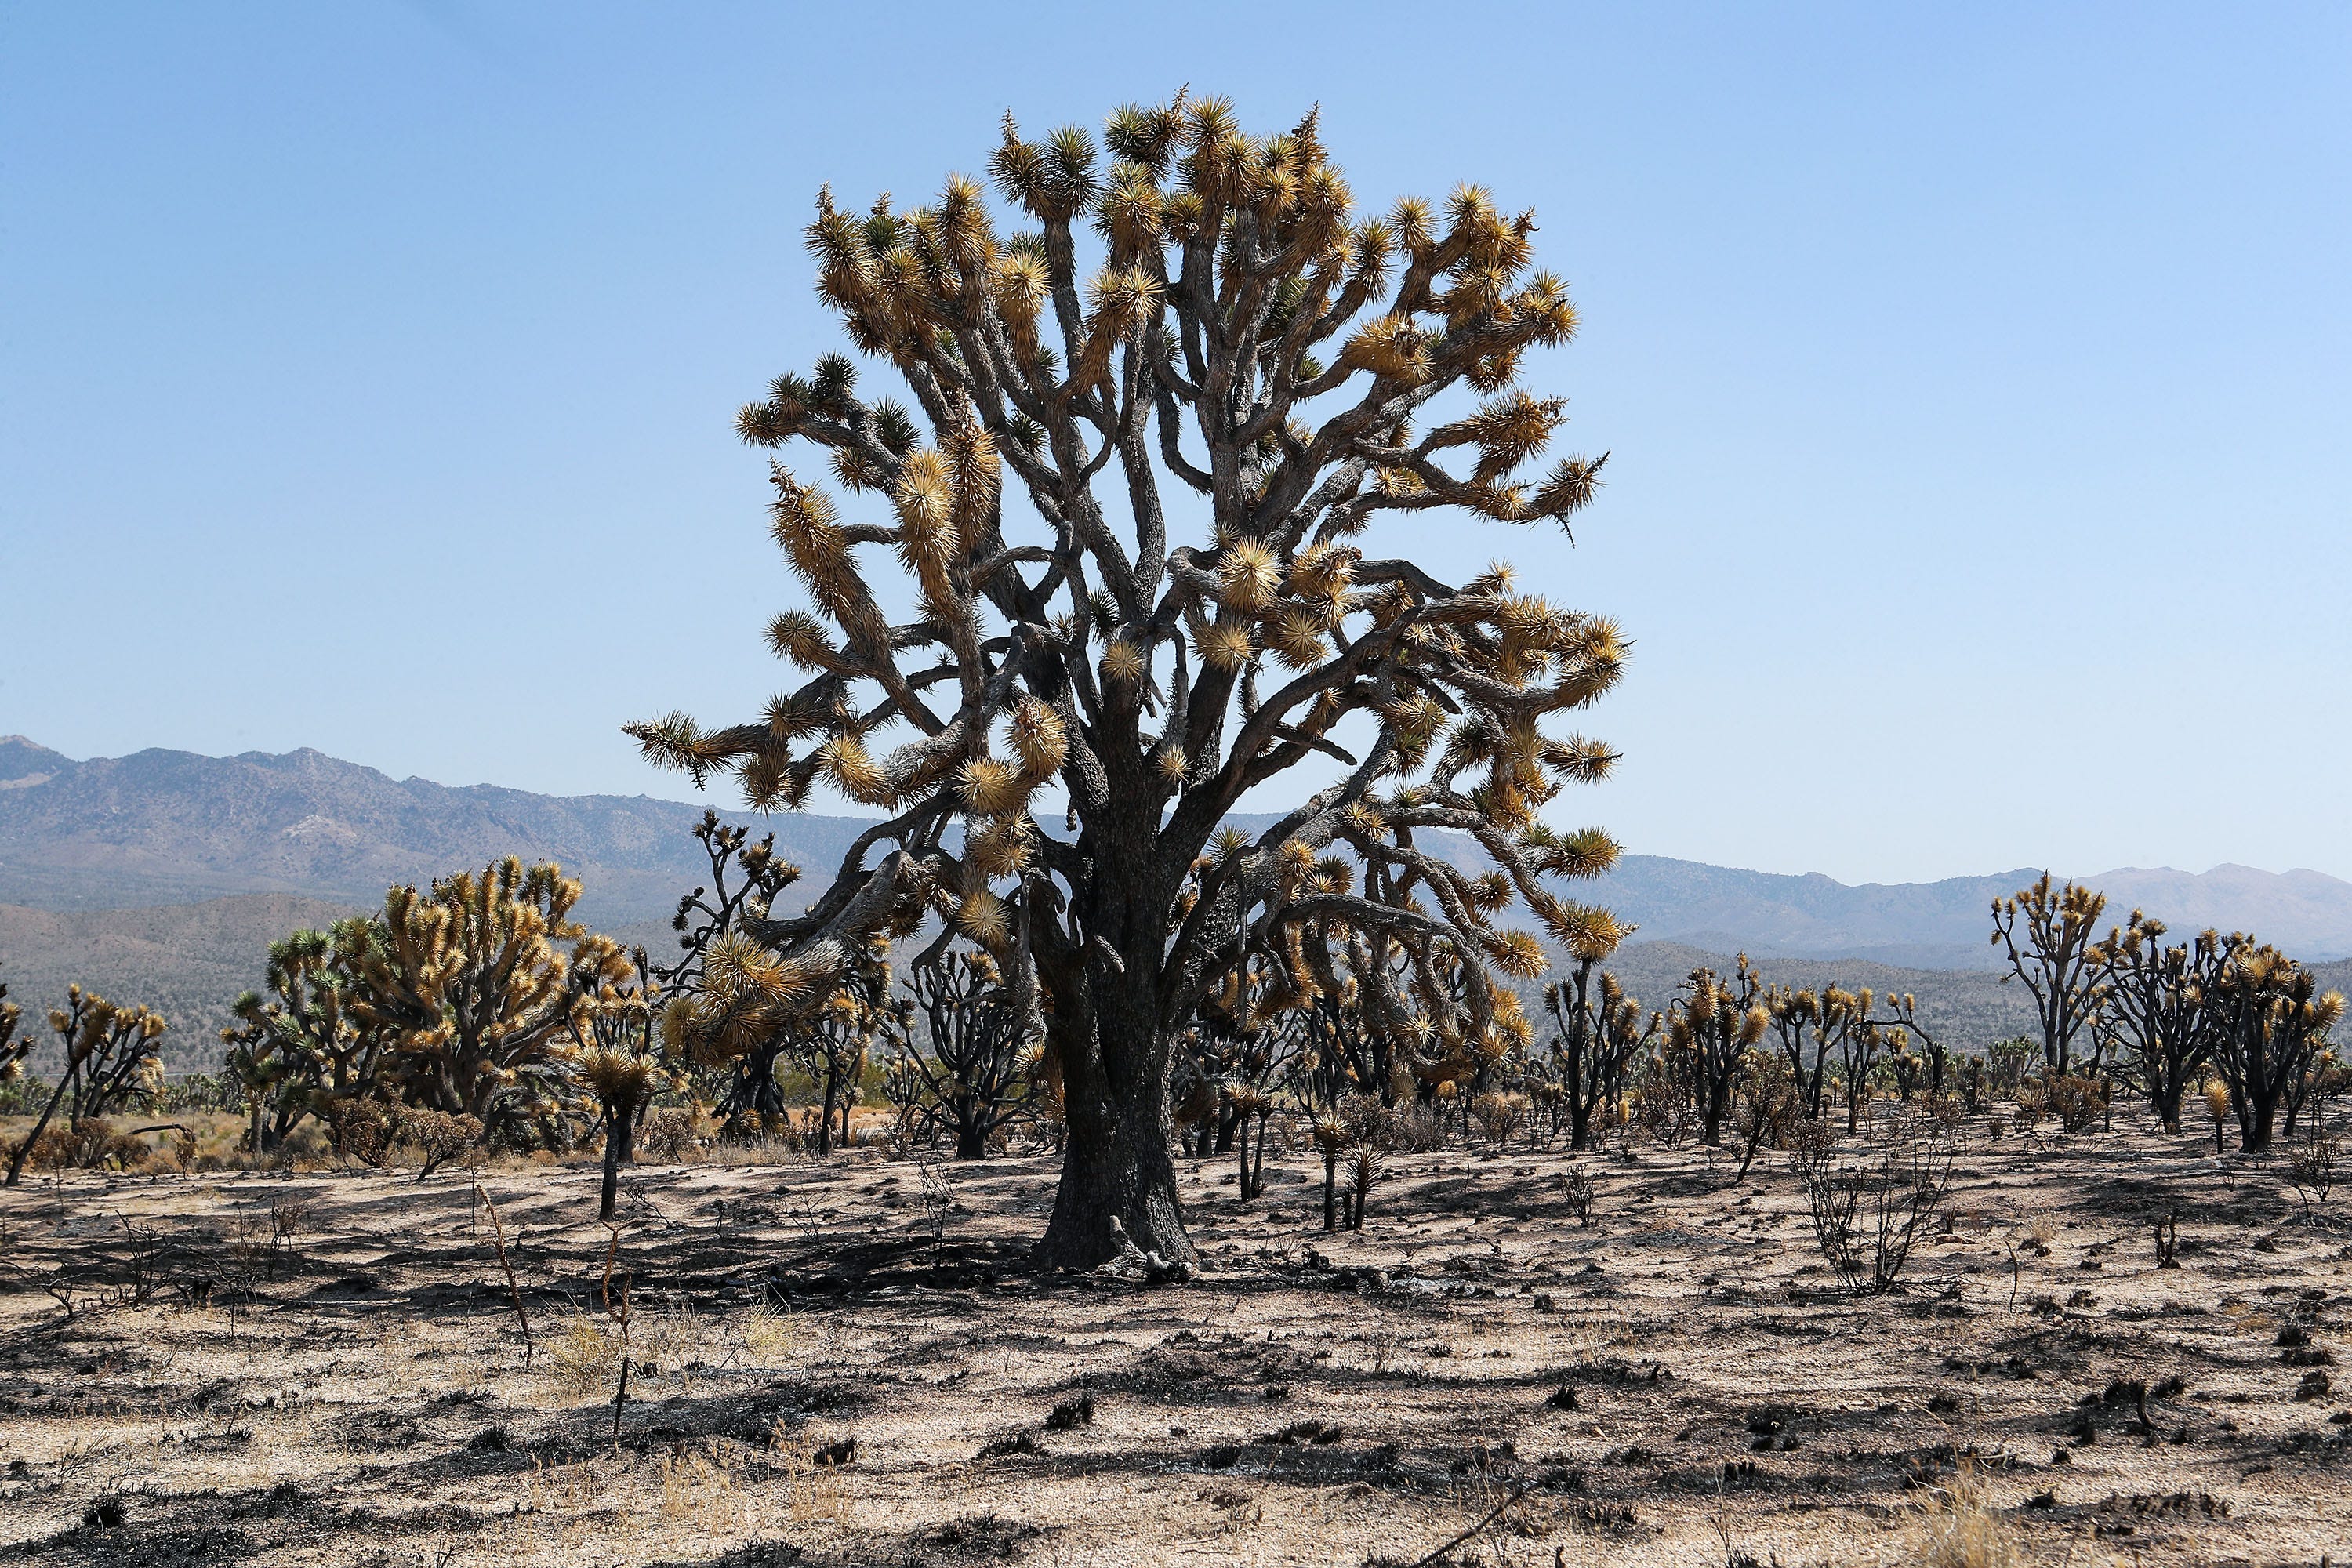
(110, 1060)
(1178, 303)
(14, 1048)
(2047, 933)
(1709, 1029)
(745, 995)
(618, 1059)
(473, 990)
(2271, 1027)
(297, 1049)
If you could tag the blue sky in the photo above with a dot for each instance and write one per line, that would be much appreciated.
(1978, 380)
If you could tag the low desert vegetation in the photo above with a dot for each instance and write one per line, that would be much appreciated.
(1530, 1308)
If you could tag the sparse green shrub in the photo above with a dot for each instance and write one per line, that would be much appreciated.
(1576, 1189)
(1495, 1116)
(2314, 1163)
(672, 1133)
(2079, 1102)
(1766, 1107)
(434, 1137)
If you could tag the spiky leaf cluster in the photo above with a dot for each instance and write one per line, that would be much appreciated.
(473, 994)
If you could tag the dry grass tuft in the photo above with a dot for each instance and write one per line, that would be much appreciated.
(582, 1358)
(772, 1338)
(812, 1488)
(703, 1489)
(1960, 1529)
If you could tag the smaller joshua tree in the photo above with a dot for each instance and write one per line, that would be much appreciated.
(1600, 1033)
(834, 1047)
(298, 1051)
(618, 1064)
(1861, 1045)
(470, 985)
(1250, 1034)
(111, 1059)
(1809, 1026)
(2047, 934)
(746, 878)
(2271, 1024)
(2157, 1008)
(1903, 1015)
(971, 1079)
(1708, 1033)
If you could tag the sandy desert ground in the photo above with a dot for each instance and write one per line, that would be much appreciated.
(846, 1363)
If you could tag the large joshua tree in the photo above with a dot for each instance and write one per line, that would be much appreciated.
(1204, 336)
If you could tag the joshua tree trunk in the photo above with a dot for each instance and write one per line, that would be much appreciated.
(616, 1121)
(1719, 1104)
(755, 1092)
(971, 1143)
(2256, 1119)
(16, 1159)
(620, 1148)
(1118, 1160)
(1253, 1145)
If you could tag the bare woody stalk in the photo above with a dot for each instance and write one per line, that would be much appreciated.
(1240, 347)
(514, 1290)
(620, 1315)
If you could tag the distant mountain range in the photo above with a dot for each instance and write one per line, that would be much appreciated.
(162, 872)
(1947, 924)
(173, 828)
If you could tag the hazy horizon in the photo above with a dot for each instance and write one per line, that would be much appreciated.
(684, 793)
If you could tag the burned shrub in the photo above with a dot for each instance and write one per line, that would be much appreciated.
(1576, 1191)
(1867, 1212)
(2314, 1163)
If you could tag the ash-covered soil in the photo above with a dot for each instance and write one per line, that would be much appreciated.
(828, 1366)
